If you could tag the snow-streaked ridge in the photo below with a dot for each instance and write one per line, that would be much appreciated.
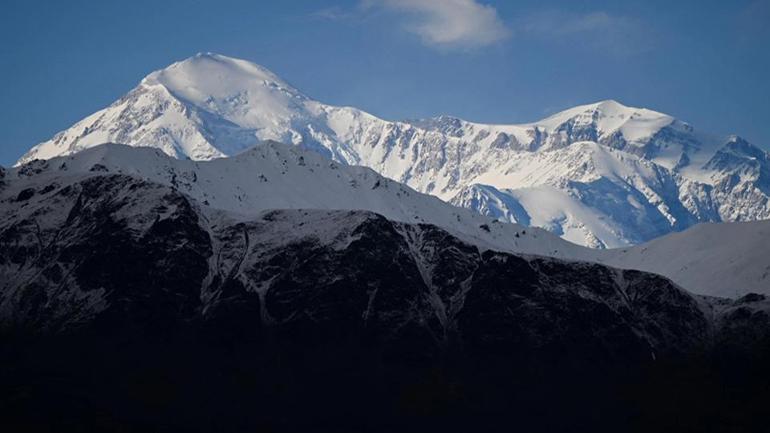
(726, 259)
(273, 175)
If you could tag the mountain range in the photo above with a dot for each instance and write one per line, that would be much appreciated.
(278, 290)
(216, 251)
(726, 259)
(601, 175)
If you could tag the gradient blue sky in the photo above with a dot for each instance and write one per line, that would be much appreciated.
(706, 62)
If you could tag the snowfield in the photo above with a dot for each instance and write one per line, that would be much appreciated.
(727, 260)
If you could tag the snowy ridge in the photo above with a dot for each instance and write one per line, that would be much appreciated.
(612, 175)
(272, 176)
(729, 259)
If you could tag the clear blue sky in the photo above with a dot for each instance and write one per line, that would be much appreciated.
(707, 62)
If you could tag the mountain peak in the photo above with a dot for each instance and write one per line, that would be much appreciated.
(215, 75)
(613, 108)
(612, 105)
(209, 54)
(610, 115)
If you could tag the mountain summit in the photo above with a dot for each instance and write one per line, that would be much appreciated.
(603, 175)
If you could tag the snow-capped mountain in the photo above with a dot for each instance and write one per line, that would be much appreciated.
(292, 287)
(602, 175)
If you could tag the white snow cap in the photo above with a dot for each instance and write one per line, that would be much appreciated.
(603, 174)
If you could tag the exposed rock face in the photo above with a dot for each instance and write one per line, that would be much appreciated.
(124, 303)
(116, 248)
(93, 248)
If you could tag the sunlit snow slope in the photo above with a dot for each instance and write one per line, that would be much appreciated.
(602, 175)
(729, 260)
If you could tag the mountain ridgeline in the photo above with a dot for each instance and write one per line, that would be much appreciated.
(601, 175)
